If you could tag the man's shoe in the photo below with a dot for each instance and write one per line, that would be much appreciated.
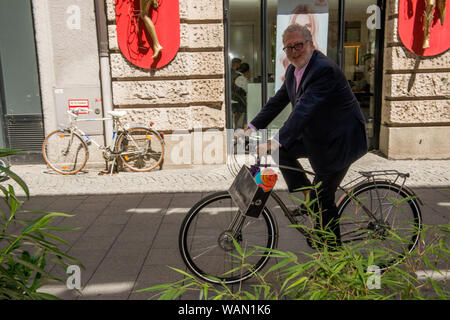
(301, 210)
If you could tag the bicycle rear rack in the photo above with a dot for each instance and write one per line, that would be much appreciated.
(390, 176)
(370, 174)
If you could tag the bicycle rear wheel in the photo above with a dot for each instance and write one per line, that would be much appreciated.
(64, 152)
(382, 219)
(206, 244)
(142, 149)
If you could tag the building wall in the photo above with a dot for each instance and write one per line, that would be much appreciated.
(67, 50)
(416, 107)
(185, 97)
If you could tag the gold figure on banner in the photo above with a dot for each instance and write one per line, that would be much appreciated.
(427, 20)
(428, 16)
(441, 6)
(145, 7)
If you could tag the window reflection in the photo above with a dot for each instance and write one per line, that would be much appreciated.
(245, 60)
(359, 58)
(322, 17)
(315, 15)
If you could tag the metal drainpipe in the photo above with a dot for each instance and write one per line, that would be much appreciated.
(105, 69)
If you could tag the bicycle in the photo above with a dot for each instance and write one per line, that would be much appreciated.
(139, 148)
(370, 211)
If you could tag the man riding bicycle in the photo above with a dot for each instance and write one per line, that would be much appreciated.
(326, 124)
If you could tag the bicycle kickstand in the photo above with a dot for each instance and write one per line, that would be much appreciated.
(112, 166)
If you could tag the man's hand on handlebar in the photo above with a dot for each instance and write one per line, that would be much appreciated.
(242, 134)
(264, 149)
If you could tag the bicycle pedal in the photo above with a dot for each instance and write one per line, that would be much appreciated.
(300, 211)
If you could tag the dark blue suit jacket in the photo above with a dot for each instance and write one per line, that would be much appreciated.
(326, 116)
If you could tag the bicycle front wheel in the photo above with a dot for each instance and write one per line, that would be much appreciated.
(64, 152)
(381, 219)
(141, 149)
(206, 241)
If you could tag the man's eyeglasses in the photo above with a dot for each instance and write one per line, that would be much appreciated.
(297, 47)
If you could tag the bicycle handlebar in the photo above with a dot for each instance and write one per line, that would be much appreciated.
(247, 147)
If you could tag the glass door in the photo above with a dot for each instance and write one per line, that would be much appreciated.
(359, 58)
(244, 54)
(19, 80)
(320, 17)
(339, 29)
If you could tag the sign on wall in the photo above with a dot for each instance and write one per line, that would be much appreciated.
(148, 31)
(80, 106)
(423, 27)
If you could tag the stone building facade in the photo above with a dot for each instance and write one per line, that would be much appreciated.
(415, 122)
(187, 99)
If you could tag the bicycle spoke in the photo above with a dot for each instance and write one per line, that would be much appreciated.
(64, 152)
(207, 239)
(208, 249)
(141, 149)
(393, 228)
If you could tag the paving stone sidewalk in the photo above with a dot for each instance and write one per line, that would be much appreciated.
(129, 222)
(42, 181)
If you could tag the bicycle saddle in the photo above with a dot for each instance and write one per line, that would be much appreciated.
(117, 113)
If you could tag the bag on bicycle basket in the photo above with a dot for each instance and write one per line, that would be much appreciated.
(247, 195)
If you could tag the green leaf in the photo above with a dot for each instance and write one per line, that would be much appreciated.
(43, 221)
(47, 296)
(17, 179)
(52, 236)
(205, 291)
(182, 272)
(296, 283)
(238, 247)
(33, 267)
(278, 265)
(4, 152)
(159, 287)
(437, 288)
(241, 267)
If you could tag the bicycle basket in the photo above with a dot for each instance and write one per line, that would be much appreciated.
(247, 195)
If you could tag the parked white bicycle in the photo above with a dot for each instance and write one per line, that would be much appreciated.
(138, 148)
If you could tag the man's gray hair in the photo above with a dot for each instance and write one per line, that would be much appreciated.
(298, 28)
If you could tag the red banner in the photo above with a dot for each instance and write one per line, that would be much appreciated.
(414, 28)
(150, 39)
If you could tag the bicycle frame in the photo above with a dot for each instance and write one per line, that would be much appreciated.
(200, 234)
(73, 118)
(347, 189)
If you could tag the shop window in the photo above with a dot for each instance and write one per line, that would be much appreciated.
(255, 29)
(359, 58)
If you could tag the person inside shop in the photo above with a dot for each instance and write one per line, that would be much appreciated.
(239, 89)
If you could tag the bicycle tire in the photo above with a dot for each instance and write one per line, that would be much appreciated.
(207, 222)
(141, 137)
(378, 234)
(65, 152)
